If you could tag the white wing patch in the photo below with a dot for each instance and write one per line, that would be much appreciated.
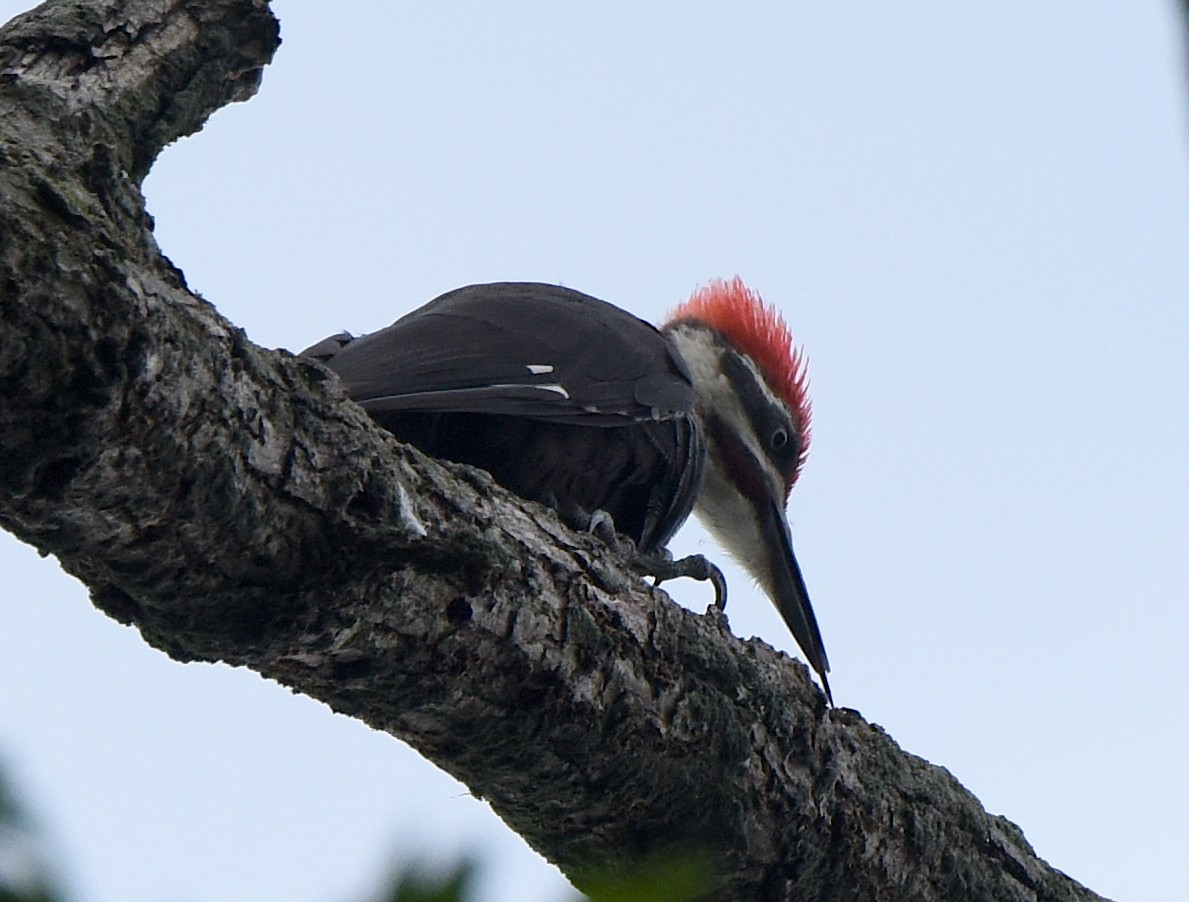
(520, 386)
(542, 369)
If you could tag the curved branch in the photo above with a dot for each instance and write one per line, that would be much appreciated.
(232, 505)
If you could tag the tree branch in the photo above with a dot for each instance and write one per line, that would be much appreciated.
(231, 504)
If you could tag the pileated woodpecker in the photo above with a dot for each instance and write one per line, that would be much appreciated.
(574, 403)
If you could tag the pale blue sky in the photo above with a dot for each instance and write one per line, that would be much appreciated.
(976, 219)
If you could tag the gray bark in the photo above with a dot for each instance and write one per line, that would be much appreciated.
(233, 506)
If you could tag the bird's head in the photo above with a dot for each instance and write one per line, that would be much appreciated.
(754, 411)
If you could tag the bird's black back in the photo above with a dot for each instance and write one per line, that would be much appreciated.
(563, 398)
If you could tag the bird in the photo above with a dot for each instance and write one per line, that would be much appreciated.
(575, 403)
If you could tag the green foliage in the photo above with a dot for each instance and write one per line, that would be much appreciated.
(684, 877)
(415, 884)
(677, 877)
(33, 895)
(23, 877)
(680, 877)
(9, 810)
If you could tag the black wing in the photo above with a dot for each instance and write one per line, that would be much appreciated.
(465, 376)
(517, 348)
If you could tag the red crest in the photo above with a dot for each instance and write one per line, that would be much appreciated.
(759, 331)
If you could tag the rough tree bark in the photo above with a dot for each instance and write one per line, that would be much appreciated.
(228, 502)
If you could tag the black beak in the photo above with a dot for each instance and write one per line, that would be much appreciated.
(789, 592)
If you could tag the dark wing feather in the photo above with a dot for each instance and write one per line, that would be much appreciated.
(522, 349)
(563, 398)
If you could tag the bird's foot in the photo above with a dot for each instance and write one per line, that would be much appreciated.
(602, 525)
(694, 566)
(660, 564)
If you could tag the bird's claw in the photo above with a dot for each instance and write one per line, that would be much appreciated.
(602, 526)
(659, 564)
(694, 566)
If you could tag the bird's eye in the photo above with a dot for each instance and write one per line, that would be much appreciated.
(780, 438)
